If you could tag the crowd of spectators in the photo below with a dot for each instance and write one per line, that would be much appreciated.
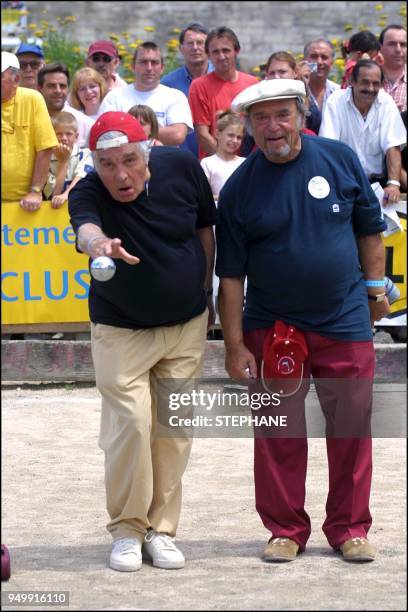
(183, 108)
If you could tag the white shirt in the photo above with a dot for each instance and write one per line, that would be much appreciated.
(79, 164)
(170, 105)
(218, 170)
(84, 124)
(330, 88)
(371, 138)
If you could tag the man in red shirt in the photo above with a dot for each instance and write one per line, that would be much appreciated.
(215, 91)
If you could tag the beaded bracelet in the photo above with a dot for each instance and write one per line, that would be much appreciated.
(375, 283)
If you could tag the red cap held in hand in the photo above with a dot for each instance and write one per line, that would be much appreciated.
(284, 352)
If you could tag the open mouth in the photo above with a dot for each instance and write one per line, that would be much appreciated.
(125, 190)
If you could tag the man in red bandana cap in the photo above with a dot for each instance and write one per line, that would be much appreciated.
(152, 211)
(299, 220)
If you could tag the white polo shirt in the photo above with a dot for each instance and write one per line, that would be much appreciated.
(371, 137)
(170, 105)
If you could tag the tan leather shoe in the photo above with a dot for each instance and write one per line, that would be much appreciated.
(357, 549)
(280, 550)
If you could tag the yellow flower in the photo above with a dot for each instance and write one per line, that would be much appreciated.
(125, 35)
(149, 29)
(133, 45)
(348, 27)
(39, 33)
(334, 42)
(76, 49)
(114, 37)
(32, 26)
(175, 31)
(403, 10)
(71, 18)
(44, 24)
(24, 12)
(379, 7)
(256, 69)
(173, 43)
(340, 63)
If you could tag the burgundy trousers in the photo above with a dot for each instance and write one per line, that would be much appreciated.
(280, 463)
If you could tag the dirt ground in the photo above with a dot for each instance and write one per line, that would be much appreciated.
(54, 521)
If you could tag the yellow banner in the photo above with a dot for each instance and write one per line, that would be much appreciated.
(396, 262)
(44, 279)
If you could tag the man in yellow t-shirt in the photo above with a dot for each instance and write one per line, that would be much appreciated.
(27, 138)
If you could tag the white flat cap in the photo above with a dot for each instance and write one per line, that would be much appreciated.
(275, 89)
(9, 60)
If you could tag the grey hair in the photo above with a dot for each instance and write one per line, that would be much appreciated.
(14, 71)
(143, 145)
(301, 108)
(318, 40)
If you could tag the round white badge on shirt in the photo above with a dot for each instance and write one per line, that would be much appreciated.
(318, 187)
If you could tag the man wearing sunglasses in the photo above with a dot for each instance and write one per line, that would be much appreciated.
(103, 57)
(31, 59)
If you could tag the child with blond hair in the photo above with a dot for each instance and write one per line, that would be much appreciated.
(68, 162)
(219, 167)
(148, 120)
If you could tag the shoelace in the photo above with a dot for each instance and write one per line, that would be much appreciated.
(358, 540)
(281, 541)
(162, 540)
(125, 545)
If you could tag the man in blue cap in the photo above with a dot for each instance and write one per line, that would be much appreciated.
(31, 58)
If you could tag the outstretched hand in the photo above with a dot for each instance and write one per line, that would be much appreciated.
(112, 247)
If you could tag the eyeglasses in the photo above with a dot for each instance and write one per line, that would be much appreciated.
(194, 43)
(101, 58)
(145, 62)
(34, 64)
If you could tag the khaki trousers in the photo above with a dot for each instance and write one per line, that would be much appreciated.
(142, 470)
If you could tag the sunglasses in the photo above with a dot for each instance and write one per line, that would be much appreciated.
(34, 64)
(101, 58)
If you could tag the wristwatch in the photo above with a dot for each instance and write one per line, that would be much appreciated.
(380, 297)
(35, 189)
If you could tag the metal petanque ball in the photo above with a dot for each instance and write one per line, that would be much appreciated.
(103, 268)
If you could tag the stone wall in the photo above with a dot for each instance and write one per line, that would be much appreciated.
(262, 27)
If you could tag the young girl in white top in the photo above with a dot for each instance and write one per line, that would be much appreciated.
(219, 167)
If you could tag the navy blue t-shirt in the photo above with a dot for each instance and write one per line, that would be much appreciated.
(159, 227)
(291, 229)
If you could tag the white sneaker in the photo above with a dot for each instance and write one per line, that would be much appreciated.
(126, 555)
(162, 551)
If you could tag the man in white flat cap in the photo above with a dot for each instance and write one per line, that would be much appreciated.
(27, 138)
(299, 220)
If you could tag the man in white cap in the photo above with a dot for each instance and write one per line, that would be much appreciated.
(300, 221)
(149, 322)
(27, 138)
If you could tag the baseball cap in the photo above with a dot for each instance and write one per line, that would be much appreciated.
(283, 354)
(103, 46)
(118, 122)
(275, 89)
(26, 48)
(9, 60)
